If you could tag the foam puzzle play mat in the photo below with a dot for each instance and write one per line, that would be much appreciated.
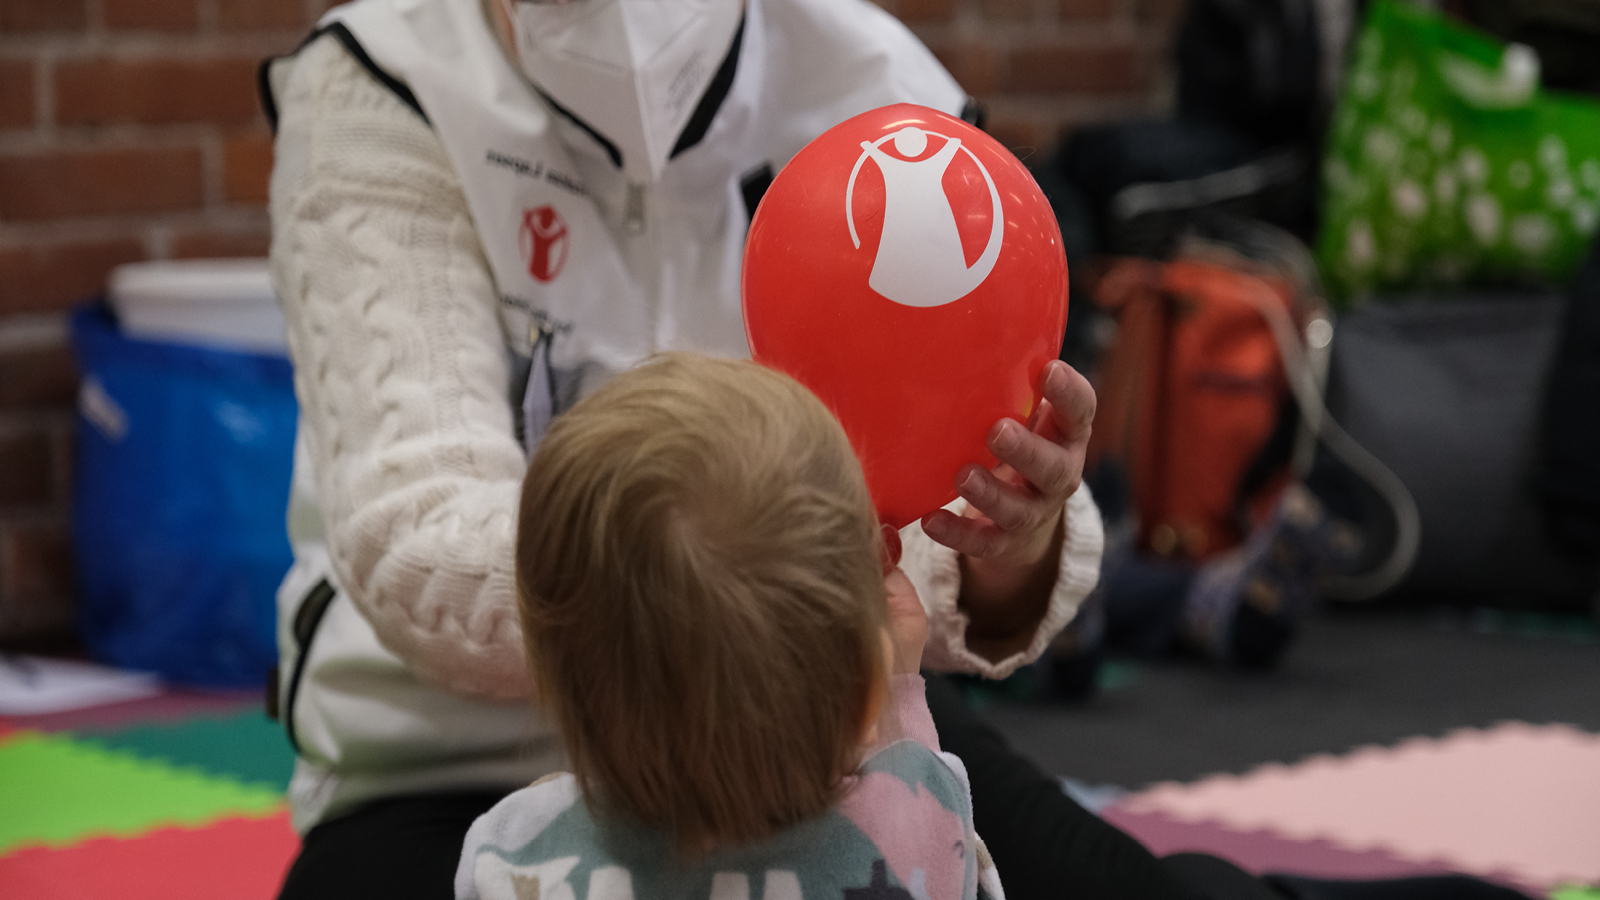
(115, 786)
(1516, 803)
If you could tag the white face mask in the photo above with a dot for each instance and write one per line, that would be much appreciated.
(631, 70)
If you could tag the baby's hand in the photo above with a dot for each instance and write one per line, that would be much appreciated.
(908, 624)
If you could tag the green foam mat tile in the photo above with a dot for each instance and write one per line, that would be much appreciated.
(55, 790)
(246, 746)
(1576, 893)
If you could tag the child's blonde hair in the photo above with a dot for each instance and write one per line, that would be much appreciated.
(702, 597)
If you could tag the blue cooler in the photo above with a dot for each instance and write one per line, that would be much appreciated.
(185, 441)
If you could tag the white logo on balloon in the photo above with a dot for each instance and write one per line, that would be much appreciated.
(920, 260)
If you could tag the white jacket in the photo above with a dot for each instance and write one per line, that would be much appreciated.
(409, 157)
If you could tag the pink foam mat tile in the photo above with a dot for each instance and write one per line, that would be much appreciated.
(1263, 851)
(1515, 802)
(170, 705)
(238, 858)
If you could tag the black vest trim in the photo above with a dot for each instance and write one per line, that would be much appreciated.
(699, 121)
(604, 142)
(306, 621)
(716, 92)
(753, 186)
(342, 34)
(269, 104)
(973, 113)
(694, 131)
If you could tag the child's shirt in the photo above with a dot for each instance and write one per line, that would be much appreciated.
(902, 831)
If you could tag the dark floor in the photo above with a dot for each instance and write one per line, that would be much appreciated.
(1354, 678)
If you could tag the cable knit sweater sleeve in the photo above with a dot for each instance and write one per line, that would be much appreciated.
(401, 371)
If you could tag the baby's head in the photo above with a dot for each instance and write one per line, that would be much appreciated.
(702, 597)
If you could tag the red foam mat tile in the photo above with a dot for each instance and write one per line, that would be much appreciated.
(236, 858)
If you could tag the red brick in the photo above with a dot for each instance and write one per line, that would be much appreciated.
(122, 180)
(1024, 136)
(54, 277)
(35, 561)
(1163, 14)
(975, 65)
(16, 93)
(922, 12)
(1086, 9)
(42, 15)
(246, 168)
(43, 625)
(38, 377)
(158, 91)
(221, 244)
(1056, 68)
(1007, 10)
(154, 15)
(26, 473)
(238, 15)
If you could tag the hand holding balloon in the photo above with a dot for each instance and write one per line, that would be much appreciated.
(1012, 531)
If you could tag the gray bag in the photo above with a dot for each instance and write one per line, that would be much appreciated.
(1448, 394)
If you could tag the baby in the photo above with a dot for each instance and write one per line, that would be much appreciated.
(700, 574)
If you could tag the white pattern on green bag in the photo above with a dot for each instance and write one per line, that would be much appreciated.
(1447, 164)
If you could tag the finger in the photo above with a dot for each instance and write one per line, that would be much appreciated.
(1043, 420)
(908, 623)
(1071, 399)
(904, 603)
(969, 537)
(889, 549)
(1049, 467)
(1008, 506)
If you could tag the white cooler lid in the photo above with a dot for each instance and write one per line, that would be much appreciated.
(226, 303)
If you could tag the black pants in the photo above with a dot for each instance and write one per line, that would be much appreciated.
(1044, 845)
(406, 848)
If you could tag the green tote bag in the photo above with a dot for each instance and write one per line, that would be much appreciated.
(1447, 164)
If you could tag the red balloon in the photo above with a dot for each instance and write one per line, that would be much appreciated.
(906, 268)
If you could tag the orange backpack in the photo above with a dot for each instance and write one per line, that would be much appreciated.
(1190, 392)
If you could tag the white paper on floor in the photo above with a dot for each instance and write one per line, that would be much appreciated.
(35, 685)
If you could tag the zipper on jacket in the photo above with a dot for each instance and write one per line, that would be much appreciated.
(536, 408)
(544, 337)
(633, 215)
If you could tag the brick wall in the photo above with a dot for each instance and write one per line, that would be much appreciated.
(129, 130)
(1041, 66)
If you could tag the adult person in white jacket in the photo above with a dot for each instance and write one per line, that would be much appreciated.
(480, 211)
(467, 236)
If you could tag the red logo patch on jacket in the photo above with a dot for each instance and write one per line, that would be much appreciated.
(544, 242)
